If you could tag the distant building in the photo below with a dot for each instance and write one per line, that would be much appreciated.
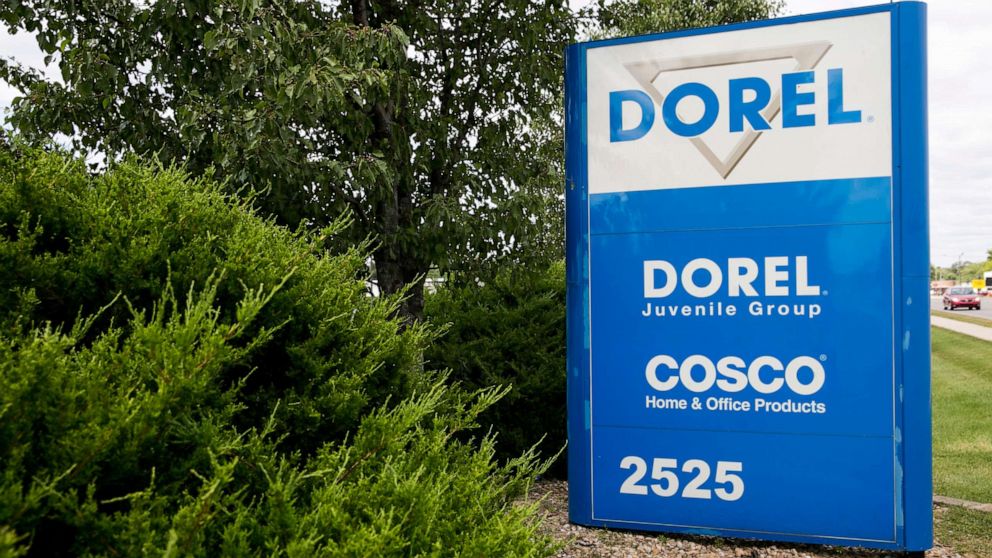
(938, 287)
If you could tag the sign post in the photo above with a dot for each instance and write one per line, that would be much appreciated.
(748, 274)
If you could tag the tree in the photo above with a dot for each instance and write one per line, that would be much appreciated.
(605, 20)
(969, 271)
(615, 19)
(436, 124)
(638, 17)
(413, 117)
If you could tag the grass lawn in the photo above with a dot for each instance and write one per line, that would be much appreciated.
(962, 410)
(962, 438)
(962, 317)
(969, 532)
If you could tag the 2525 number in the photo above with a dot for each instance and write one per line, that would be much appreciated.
(664, 470)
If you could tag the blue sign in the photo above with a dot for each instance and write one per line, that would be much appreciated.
(748, 312)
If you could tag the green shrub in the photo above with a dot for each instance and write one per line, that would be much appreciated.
(509, 331)
(179, 377)
(71, 243)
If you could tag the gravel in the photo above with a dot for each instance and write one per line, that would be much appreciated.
(586, 542)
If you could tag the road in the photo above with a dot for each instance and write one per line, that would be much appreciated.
(985, 312)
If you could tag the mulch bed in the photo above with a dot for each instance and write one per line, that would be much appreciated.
(586, 542)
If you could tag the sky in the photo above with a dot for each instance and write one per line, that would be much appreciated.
(960, 88)
(960, 94)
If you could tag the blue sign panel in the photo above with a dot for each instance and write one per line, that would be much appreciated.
(748, 317)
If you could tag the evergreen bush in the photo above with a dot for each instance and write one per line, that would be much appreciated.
(509, 330)
(180, 377)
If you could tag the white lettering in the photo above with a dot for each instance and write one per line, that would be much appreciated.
(754, 374)
(709, 373)
(792, 375)
(650, 290)
(728, 374)
(731, 368)
(774, 276)
(651, 372)
(716, 277)
(741, 272)
(803, 288)
(780, 278)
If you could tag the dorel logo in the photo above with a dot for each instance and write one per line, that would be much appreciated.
(752, 103)
(741, 277)
(741, 110)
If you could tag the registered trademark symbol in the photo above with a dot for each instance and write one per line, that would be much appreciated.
(825, 293)
(823, 358)
(871, 119)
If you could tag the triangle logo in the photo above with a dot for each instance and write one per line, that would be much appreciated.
(805, 55)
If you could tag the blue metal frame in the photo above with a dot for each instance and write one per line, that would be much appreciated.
(910, 175)
(914, 520)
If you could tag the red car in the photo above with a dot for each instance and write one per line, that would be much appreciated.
(961, 297)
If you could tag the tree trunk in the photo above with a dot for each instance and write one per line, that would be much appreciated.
(395, 267)
(393, 274)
